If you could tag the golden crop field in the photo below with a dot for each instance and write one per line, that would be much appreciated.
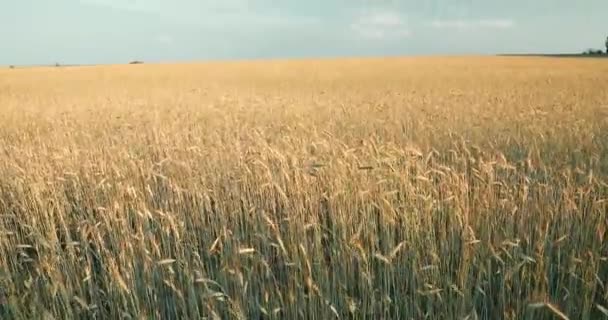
(401, 188)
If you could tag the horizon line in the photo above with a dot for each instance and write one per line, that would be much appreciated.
(336, 57)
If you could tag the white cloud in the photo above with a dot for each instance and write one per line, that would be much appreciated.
(164, 39)
(210, 13)
(152, 7)
(381, 25)
(473, 24)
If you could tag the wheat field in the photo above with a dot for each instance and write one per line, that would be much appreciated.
(398, 188)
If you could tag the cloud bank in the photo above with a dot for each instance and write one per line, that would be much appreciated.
(381, 25)
(473, 24)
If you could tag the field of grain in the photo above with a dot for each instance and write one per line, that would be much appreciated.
(411, 188)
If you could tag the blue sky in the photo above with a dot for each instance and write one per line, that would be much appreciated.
(117, 31)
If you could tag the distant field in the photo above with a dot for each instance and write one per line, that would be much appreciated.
(414, 188)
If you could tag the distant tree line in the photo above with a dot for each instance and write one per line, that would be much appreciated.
(591, 52)
(597, 51)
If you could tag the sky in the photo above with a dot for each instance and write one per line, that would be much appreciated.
(117, 31)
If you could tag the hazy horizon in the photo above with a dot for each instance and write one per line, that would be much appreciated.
(112, 31)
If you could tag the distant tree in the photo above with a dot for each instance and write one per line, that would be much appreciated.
(57, 64)
(606, 43)
(11, 67)
(593, 52)
(136, 62)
